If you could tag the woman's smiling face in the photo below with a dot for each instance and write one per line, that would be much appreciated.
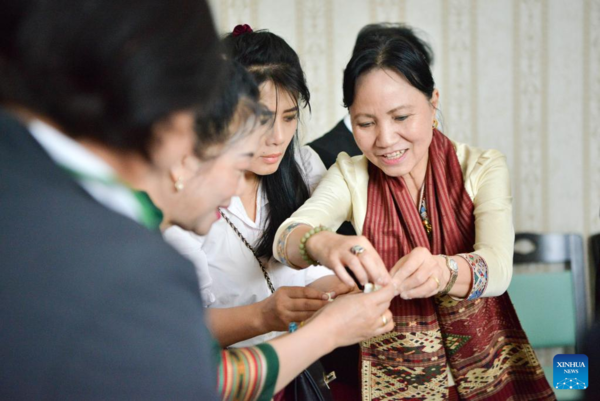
(392, 121)
(207, 184)
(214, 183)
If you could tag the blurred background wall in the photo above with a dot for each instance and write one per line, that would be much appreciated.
(521, 76)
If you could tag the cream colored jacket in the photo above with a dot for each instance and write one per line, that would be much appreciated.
(342, 196)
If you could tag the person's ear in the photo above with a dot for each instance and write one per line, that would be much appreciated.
(435, 99)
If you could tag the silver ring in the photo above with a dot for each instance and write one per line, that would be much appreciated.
(384, 320)
(357, 250)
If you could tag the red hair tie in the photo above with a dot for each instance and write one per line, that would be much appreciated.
(241, 29)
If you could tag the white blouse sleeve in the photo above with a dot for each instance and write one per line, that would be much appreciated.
(313, 273)
(284, 275)
(189, 245)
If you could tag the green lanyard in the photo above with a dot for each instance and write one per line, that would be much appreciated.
(150, 216)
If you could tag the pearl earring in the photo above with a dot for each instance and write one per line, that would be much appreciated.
(179, 184)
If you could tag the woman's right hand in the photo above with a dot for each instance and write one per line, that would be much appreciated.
(352, 318)
(334, 251)
(347, 320)
(290, 304)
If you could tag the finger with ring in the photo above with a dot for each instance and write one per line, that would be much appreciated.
(437, 281)
(384, 320)
(357, 250)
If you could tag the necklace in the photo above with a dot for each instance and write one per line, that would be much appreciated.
(423, 211)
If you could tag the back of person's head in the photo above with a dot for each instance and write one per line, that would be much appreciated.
(396, 53)
(107, 70)
(269, 58)
(372, 32)
(237, 100)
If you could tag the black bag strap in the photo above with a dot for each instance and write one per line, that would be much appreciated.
(245, 241)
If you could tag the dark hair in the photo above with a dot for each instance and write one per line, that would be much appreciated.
(395, 52)
(239, 95)
(108, 69)
(390, 30)
(269, 58)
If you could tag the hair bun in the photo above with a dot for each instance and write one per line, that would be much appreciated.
(241, 29)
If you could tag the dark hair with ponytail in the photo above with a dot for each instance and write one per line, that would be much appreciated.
(269, 58)
(406, 56)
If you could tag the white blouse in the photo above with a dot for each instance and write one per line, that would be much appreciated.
(229, 275)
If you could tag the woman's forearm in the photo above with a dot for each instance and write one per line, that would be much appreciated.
(232, 325)
(283, 358)
(314, 343)
(330, 205)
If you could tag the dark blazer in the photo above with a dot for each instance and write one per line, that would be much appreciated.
(339, 139)
(93, 306)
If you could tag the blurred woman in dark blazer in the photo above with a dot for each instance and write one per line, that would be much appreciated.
(98, 98)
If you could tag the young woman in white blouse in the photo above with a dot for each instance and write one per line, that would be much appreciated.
(251, 296)
(190, 194)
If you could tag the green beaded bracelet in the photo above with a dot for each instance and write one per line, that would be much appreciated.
(305, 237)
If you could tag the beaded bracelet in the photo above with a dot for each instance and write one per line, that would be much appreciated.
(293, 326)
(305, 237)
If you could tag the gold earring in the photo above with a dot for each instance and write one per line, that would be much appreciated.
(435, 123)
(179, 184)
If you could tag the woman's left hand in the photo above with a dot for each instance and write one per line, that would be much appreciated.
(420, 274)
